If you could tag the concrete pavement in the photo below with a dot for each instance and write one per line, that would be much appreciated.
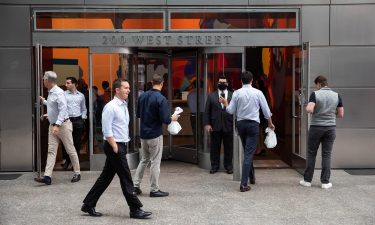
(196, 197)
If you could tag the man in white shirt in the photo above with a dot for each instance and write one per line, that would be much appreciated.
(115, 127)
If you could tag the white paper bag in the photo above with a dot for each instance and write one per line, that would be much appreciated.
(174, 127)
(271, 140)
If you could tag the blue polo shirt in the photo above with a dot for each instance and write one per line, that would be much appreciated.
(153, 110)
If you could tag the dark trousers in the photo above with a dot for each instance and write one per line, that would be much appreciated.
(317, 135)
(78, 128)
(216, 138)
(248, 131)
(114, 164)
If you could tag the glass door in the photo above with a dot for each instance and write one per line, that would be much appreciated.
(301, 74)
(107, 65)
(179, 69)
(186, 92)
(228, 62)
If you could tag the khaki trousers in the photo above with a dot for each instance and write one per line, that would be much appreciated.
(65, 135)
(151, 151)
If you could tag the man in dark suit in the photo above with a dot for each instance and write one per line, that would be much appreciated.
(219, 124)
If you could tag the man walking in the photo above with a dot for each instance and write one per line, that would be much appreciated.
(219, 124)
(115, 126)
(60, 129)
(153, 110)
(77, 114)
(324, 105)
(245, 104)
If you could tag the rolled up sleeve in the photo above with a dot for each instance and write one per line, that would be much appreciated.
(107, 119)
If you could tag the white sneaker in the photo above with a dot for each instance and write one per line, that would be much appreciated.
(305, 183)
(326, 186)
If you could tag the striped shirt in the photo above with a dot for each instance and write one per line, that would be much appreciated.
(76, 104)
(246, 102)
(115, 120)
(56, 106)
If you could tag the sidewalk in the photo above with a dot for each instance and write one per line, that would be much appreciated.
(196, 197)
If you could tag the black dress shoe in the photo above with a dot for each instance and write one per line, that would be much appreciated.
(252, 181)
(46, 180)
(139, 214)
(76, 178)
(137, 191)
(213, 171)
(90, 210)
(245, 188)
(158, 194)
(229, 171)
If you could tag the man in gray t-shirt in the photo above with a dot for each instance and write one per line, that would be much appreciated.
(325, 106)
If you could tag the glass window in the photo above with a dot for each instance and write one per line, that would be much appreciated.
(283, 20)
(99, 21)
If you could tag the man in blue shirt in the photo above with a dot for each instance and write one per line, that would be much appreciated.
(245, 104)
(115, 126)
(153, 111)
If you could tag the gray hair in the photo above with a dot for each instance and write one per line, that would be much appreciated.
(50, 76)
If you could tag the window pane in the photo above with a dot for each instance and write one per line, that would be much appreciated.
(233, 20)
(98, 21)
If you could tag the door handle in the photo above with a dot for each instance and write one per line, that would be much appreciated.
(296, 117)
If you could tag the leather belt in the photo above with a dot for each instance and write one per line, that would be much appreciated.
(54, 124)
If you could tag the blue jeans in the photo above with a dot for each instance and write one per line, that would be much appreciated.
(249, 134)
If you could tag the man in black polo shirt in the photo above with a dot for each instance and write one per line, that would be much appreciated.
(153, 110)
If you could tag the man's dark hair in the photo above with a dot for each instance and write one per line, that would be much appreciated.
(117, 83)
(157, 79)
(105, 84)
(246, 77)
(72, 79)
(321, 80)
(221, 77)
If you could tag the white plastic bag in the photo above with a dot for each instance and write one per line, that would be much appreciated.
(271, 140)
(174, 127)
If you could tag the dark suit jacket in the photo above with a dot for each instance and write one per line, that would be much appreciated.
(215, 115)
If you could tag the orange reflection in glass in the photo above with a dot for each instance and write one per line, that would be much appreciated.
(142, 24)
(190, 24)
(78, 23)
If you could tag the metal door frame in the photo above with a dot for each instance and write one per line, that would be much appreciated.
(299, 153)
(38, 107)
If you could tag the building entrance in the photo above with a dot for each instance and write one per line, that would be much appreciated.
(190, 74)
